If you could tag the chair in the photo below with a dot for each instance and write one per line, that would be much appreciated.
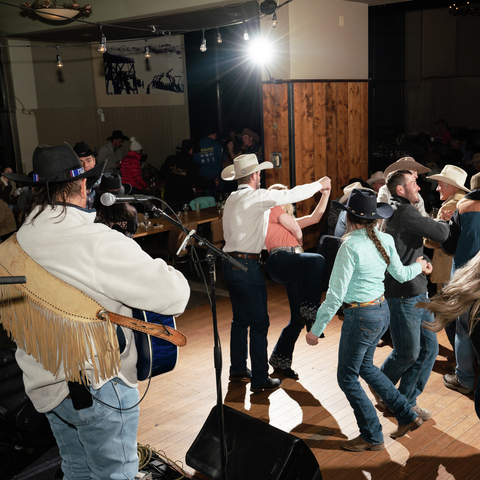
(217, 233)
(176, 236)
(203, 202)
(328, 246)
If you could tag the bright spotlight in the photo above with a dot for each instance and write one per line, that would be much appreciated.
(260, 51)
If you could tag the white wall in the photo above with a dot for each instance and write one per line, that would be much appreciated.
(311, 44)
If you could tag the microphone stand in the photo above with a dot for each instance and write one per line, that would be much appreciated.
(212, 253)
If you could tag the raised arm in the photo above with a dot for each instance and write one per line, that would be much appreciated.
(317, 214)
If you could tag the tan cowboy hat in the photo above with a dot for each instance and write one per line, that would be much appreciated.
(453, 176)
(348, 190)
(247, 131)
(244, 165)
(405, 163)
(376, 177)
(475, 182)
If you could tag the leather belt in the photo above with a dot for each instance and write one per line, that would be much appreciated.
(160, 331)
(296, 249)
(246, 256)
(377, 301)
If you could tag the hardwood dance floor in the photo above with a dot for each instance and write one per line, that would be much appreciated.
(313, 408)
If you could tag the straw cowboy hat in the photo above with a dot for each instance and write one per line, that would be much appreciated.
(363, 204)
(405, 163)
(348, 190)
(58, 164)
(244, 165)
(453, 176)
(376, 177)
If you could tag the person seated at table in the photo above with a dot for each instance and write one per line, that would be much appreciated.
(180, 174)
(131, 169)
(300, 272)
(119, 216)
(231, 151)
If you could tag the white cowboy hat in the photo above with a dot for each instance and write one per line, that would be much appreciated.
(405, 163)
(244, 165)
(376, 177)
(348, 190)
(453, 176)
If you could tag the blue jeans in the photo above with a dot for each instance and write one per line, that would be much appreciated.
(98, 442)
(248, 294)
(415, 349)
(302, 274)
(361, 330)
(464, 352)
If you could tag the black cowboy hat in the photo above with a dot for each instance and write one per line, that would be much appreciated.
(363, 204)
(112, 183)
(116, 134)
(83, 150)
(58, 164)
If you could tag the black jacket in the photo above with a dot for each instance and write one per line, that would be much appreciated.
(408, 227)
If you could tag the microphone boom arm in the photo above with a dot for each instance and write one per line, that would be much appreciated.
(191, 233)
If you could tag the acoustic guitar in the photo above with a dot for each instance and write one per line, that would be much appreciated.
(155, 355)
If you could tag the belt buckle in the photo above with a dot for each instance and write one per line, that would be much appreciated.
(298, 249)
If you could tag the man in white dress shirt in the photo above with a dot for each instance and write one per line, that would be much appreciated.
(245, 221)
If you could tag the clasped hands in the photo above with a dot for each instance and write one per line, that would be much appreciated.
(326, 185)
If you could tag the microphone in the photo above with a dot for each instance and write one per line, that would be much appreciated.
(108, 199)
(187, 238)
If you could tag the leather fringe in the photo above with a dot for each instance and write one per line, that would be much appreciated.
(57, 338)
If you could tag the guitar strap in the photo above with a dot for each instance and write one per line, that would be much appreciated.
(59, 325)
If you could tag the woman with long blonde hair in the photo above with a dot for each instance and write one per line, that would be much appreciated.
(301, 273)
(461, 296)
(357, 279)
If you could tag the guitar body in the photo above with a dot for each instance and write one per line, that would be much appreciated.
(155, 356)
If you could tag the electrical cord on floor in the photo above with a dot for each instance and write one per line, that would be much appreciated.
(159, 465)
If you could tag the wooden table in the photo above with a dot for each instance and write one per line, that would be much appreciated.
(160, 225)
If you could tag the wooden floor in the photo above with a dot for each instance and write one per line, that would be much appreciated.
(313, 408)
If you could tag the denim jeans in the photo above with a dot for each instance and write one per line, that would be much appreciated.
(98, 442)
(361, 330)
(415, 349)
(302, 274)
(248, 294)
(464, 352)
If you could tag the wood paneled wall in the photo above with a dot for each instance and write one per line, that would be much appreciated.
(320, 128)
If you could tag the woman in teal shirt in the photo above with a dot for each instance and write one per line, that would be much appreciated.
(357, 279)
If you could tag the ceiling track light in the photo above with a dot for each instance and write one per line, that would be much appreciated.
(246, 37)
(102, 48)
(274, 19)
(219, 37)
(59, 58)
(203, 45)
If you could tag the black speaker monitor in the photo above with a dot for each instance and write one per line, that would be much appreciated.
(255, 450)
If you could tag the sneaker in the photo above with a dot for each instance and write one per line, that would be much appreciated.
(403, 429)
(423, 413)
(379, 401)
(360, 445)
(271, 384)
(451, 381)
(238, 377)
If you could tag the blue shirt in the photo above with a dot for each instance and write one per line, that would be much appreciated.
(359, 272)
